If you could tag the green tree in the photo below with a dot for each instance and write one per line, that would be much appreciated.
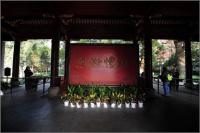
(61, 58)
(141, 56)
(195, 49)
(180, 51)
(36, 54)
(157, 55)
(45, 58)
(172, 60)
(34, 58)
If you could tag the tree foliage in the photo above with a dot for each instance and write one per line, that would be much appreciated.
(157, 56)
(195, 50)
(36, 54)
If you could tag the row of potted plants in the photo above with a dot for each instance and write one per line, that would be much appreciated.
(97, 96)
(104, 105)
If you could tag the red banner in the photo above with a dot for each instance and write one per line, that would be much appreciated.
(103, 65)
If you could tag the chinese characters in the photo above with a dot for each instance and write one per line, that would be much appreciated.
(102, 62)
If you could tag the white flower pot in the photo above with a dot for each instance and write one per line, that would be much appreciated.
(127, 105)
(98, 104)
(92, 105)
(78, 105)
(1, 93)
(85, 105)
(72, 105)
(113, 105)
(119, 105)
(133, 105)
(105, 105)
(66, 103)
(140, 104)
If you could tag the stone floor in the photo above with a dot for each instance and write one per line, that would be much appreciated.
(28, 111)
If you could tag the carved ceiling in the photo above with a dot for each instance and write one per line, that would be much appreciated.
(100, 19)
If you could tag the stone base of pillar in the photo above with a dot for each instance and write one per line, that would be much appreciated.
(189, 84)
(53, 91)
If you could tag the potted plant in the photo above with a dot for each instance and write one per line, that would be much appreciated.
(92, 104)
(141, 98)
(133, 96)
(70, 95)
(79, 96)
(105, 101)
(140, 104)
(98, 102)
(98, 96)
(104, 97)
(113, 99)
(120, 97)
(72, 102)
(127, 103)
(127, 97)
(65, 100)
(92, 95)
(119, 100)
(101, 94)
(78, 101)
(133, 103)
(113, 105)
(86, 101)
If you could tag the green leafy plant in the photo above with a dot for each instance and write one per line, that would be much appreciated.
(64, 98)
(86, 99)
(92, 94)
(104, 94)
(80, 96)
(133, 94)
(140, 95)
(119, 98)
(114, 96)
(127, 94)
(71, 93)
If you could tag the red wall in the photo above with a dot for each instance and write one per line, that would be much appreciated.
(103, 65)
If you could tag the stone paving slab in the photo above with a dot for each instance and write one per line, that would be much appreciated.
(28, 111)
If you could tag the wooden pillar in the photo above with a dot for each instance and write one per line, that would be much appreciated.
(66, 70)
(2, 58)
(67, 50)
(54, 60)
(148, 62)
(15, 72)
(188, 62)
(136, 45)
(148, 58)
(137, 65)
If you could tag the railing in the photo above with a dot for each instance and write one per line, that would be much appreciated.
(12, 82)
(186, 83)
